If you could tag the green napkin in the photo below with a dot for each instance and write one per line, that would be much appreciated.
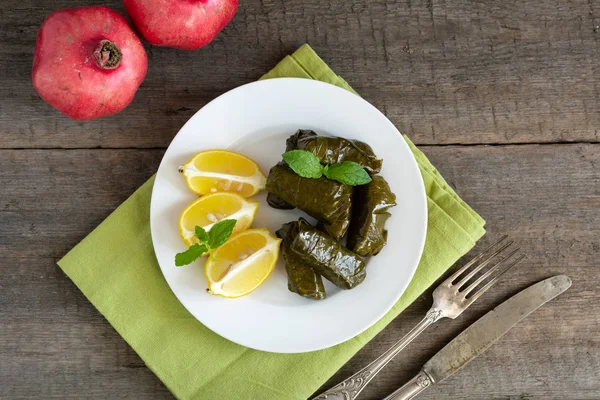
(116, 269)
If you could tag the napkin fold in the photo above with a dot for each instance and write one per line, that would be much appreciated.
(117, 271)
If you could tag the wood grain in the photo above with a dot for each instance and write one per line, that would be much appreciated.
(451, 74)
(54, 344)
(445, 72)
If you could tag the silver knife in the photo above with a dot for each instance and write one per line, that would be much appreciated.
(482, 334)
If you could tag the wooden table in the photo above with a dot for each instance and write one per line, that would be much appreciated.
(503, 96)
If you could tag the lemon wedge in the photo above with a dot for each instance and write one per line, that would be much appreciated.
(242, 264)
(213, 171)
(212, 208)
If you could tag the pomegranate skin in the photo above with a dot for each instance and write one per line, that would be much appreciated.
(181, 24)
(72, 76)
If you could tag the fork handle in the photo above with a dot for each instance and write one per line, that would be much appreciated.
(351, 387)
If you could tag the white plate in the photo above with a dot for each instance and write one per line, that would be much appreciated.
(255, 120)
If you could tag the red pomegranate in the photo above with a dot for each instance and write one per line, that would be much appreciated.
(88, 62)
(182, 24)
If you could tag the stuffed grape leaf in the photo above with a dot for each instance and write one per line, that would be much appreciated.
(333, 150)
(367, 234)
(327, 257)
(277, 203)
(302, 279)
(329, 150)
(327, 201)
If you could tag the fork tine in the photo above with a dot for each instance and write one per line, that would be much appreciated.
(488, 273)
(493, 281)
(473, 261)
(485, 262)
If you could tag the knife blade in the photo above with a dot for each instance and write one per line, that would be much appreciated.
(481, 335)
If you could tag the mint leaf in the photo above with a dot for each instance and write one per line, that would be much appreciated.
(201, 234)
(220, 232)
(190, 255)
(348, 173)
(307, 165)
(304, 163)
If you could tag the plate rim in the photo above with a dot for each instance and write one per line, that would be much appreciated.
(421, 193)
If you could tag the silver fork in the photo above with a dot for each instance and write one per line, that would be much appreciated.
(450, 299)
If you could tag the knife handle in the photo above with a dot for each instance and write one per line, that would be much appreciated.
(412, 388)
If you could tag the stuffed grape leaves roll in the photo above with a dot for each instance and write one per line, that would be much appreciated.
(274, 201)
(329, 150)
(326, 200)
(332, 150)
(339, 227)
(327, 257)
(367, 234)
(301, 278)
(277, 203)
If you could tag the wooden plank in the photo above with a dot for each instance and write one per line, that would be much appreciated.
(54, 344)
(443, 71)
(44, 181)
(76, 355)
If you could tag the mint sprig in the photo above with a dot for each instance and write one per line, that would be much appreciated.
(304, 163)
(220, 233)
(190, 255)
(348, 173)
(307, 165)
(201, 234)
(216, 237)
